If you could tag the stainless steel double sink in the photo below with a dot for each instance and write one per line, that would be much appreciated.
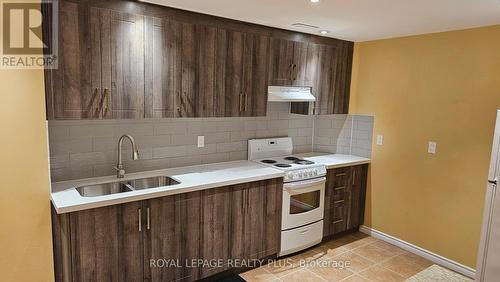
(125, 186)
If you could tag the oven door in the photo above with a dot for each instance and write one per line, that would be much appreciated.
(303, 202)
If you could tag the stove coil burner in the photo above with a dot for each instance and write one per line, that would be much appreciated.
(294, 159)
(282, 165)
(304, 162)
(269, 161)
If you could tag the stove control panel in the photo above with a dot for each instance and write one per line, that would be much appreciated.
(305, 173)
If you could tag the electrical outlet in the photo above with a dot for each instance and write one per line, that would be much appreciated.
(201, 141)
(380, 139)
(432, 147)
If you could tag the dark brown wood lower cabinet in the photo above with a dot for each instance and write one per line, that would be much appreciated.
(101, 244)
(344, 199)
(256, 219)
(162, 239)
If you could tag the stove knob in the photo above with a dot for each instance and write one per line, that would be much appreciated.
(315, 172)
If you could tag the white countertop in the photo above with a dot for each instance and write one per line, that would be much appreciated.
(334, 160)
(66, 199)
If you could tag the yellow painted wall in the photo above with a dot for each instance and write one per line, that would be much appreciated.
(25, 228)
(443, 87)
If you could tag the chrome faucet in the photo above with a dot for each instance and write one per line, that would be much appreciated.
(120, 172)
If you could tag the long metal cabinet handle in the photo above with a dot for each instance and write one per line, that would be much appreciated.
(148, 223)
(340, 174)
(94, 94)
(106, 97)
(140, 219)
(353, 176)
(246, 102)
(101, 103)
(241, 102)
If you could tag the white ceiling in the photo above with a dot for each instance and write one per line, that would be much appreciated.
(355, 20)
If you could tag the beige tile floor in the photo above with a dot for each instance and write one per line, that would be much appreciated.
(353, 257)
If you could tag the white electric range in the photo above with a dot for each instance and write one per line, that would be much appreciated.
(303, 192)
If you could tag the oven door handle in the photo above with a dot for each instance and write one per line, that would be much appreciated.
(304, 184)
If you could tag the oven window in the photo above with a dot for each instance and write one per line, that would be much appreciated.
(305, 202)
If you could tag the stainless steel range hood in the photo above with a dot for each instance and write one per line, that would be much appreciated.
(289, 94)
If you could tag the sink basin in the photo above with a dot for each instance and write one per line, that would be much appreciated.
(126, 186)
(152, 182)
(103, 189)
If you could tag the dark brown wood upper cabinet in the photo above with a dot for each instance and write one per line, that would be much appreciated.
(241, 73)
(122, 59)
(72, 92)
(122, 65)
(180, 68)
(322, 69)
(329, 73)
(162, 68)
(288, 63)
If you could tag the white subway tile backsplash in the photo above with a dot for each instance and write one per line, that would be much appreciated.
(343, 134)
(81, 145)
(230, 147)
(277, 124)
(169, 152)
(215, 158)
(217, 137)
(87, 148)
(170, 128)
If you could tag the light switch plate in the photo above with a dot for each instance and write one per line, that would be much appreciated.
(380, 139)
(432, 147)
(201, 141)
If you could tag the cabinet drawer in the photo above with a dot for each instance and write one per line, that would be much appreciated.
(341, 177)
(338, 217)
(338, 200)
(339, 193)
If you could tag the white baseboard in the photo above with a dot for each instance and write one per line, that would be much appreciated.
(437, 259)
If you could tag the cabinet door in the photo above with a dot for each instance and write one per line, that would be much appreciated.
(180, 69)
(299, 66)
(241, 74)
(73, 90)
(256, 219)
(162, 68)
(238, 221)
(106, 244)
(122, 50)
(272, 220)
(174, 234)
(281, 62)
(205, 70)
(255, 212)
(186, 100)
(322, 67)
(342, 77)
(229, 73)
(357, 191)
(256, 85)
(215, 231)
